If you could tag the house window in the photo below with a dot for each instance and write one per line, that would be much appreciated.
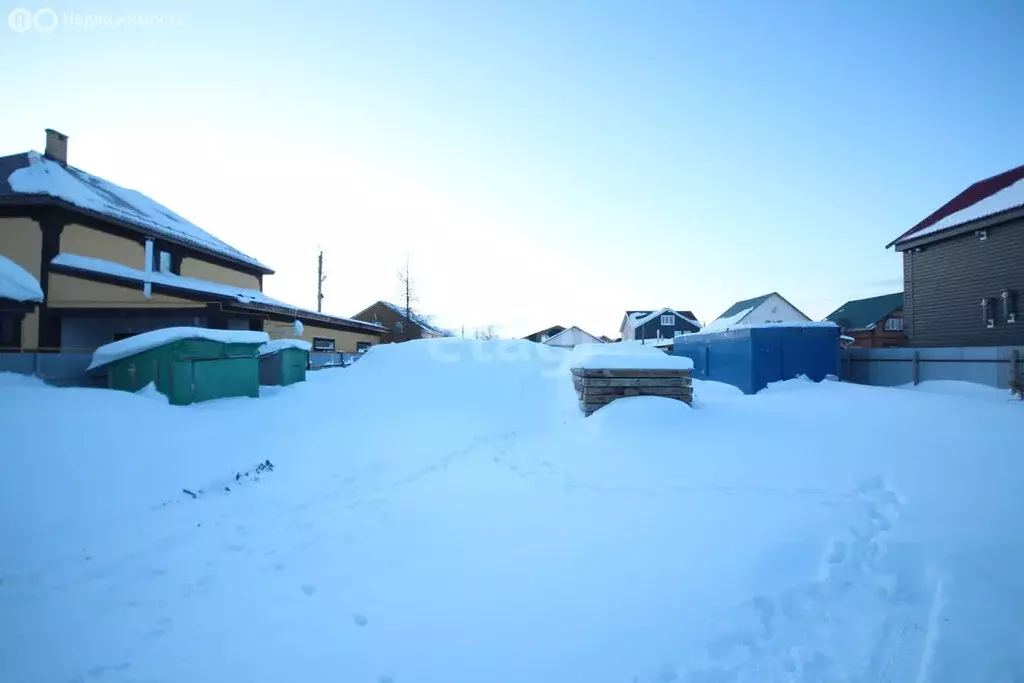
(10, 330)
(362, 347)
(1009, 304)
(894, 325)
(667, 320)
(676, 334)
(164, 262)
(324, 344)
(987, 317)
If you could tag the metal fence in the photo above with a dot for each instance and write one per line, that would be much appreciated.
(992, 365)
(65, 368)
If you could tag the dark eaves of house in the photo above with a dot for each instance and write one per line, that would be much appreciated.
(979, 191)
(113, 204)
(861, 314)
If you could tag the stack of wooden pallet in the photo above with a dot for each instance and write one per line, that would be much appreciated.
(598, 387)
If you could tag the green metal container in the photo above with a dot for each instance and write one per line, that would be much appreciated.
(191, 370)
(284, 367)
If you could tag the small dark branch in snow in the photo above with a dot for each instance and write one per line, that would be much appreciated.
(190, 493)
(227, 489)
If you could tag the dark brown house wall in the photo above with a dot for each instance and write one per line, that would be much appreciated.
(945, 282)
(389, 318)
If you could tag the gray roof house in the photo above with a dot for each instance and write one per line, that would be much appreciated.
(767, 308)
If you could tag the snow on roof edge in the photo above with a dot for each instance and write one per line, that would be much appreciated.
(44, 177)
(16, 283)
(275, 345)
(242, 295)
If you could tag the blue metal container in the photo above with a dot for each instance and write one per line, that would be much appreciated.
(751, 357)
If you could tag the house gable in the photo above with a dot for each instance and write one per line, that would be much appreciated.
(774, 309)
(572, 337)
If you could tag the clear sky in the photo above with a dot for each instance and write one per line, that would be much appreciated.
(541, 162)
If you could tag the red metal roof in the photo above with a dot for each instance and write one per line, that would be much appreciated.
(980, 190)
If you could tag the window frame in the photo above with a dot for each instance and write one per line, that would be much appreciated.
(894, 324)
(668, 320)
(319, 347)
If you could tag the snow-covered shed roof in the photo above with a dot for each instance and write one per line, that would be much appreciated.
(16, 283)
(275, 345)
(32, 177)
(108, 353)
(1001, 193)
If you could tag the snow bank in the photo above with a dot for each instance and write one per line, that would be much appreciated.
(451, 493)
(624, 356)
(275, 345)
(46, 177)
(108, 353)
(16, 283)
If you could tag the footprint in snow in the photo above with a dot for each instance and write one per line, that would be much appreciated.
(308, 589)
(360, 619)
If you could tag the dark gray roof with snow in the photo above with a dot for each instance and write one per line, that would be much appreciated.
(32, 178)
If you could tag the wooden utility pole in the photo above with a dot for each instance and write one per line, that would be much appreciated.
(320, 277)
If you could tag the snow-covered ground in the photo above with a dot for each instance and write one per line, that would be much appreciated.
(440, 512)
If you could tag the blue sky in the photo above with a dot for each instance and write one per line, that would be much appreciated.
(540, 162)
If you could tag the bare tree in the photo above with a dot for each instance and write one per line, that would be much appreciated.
(488, 333)
(408, 295)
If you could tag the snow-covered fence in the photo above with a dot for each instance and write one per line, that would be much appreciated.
(994, 366)
(64, 368)
(599, 387)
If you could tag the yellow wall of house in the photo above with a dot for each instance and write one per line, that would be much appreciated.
(68, 291)
(21, 240)
(30, 331)
(343, 341)
(78, 239)
(202, 270)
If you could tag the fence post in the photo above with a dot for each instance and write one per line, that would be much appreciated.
(917, 368)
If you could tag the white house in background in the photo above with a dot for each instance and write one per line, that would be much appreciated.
(664, 323)
(767, 308)
(572, 336)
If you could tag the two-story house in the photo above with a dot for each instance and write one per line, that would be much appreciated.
(665, 323)
(963, 267)
(875, 322)
(111, 262)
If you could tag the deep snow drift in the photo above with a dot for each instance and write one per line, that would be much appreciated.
(440, 512)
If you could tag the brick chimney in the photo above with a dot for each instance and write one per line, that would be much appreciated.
(56, 146)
